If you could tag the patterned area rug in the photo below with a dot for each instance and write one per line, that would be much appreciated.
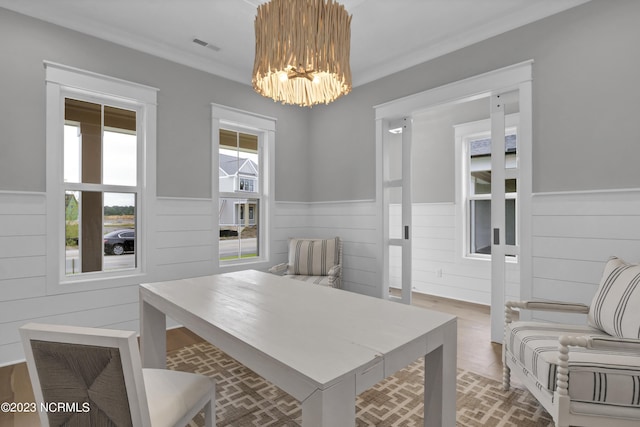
(245, 399)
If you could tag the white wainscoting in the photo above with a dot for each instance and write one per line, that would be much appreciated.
(354, 222)
(184, 238)
(436, 267)
(23, 294)
(574, 234)
(184, 241)
(22, 245)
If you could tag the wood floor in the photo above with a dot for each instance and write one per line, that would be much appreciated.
(475, 352)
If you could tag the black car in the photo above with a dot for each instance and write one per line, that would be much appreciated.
(120, 241)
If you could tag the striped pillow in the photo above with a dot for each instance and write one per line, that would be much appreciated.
(312, 257)
(615, 308)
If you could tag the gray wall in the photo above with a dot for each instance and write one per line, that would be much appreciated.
(586, 107)
(184, 112)
(433, 149)
(586, 104)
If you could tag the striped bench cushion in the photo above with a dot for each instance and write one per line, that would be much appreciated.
(601, 377)
(615, 306)
(312, 257)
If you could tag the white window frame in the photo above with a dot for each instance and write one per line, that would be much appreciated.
(464, 133)
(264, 127)
(68, 82)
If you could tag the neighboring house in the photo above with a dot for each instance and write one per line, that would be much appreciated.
(237, 175)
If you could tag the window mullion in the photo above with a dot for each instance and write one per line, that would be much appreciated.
(77, 186)
(240, 195)
(479, 197)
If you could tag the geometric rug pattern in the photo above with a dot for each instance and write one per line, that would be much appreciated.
(244, 399)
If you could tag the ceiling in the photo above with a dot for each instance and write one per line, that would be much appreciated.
(386, 36)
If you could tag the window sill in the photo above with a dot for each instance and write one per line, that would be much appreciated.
(236, 265)
(486, 258)
(65, 286)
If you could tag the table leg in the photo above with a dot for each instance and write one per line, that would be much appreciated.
(440, 374)
(335, 406)
(153, 336)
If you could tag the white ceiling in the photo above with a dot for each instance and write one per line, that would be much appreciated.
(386, 35)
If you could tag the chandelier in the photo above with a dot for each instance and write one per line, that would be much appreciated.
(302, 51)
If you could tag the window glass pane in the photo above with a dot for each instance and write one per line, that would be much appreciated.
(88, 118)
(395, 212)
(72, 153)
(119, 240)
(510, 221)
(119, 147)
(393, 155)
(239, 228)
(89, 215)
(239, 170)
(237, 140)
(480, 226)
(71, 232)
(511, 149)
(480, 165)
(120, 158)
(91, 230)
(481, 182)
(238, 162)
(395, 267)
(83, 231)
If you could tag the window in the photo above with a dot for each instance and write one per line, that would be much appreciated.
(243, 188)
(100, 158)
(247, 185)
(100, 187)
(474, 157)
(239, 161)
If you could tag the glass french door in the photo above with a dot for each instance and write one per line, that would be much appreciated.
(505, 177)
(396, 154)
(507, 234)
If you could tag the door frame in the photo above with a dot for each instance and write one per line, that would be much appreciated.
(518, 76)
(404, 241)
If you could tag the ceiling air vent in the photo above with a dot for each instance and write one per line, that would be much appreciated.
(206, 44)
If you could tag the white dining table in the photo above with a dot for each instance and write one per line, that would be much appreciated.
(323, 346)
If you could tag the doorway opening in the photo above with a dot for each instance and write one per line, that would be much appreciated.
(468, 201)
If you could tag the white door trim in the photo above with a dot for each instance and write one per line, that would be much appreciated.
(518, 76)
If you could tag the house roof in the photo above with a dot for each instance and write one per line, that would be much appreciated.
(482, 146)
(232, 165)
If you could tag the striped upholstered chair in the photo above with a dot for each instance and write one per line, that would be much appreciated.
(93, 377)
(584, 375)
(317, 261)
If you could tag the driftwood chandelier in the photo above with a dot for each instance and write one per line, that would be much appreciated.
(302, 51)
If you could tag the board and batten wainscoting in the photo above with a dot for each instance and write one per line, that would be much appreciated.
(438, 266)
(574, 234)
(184, 238)
(23, 282)
(355, 222)
(185, 235)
